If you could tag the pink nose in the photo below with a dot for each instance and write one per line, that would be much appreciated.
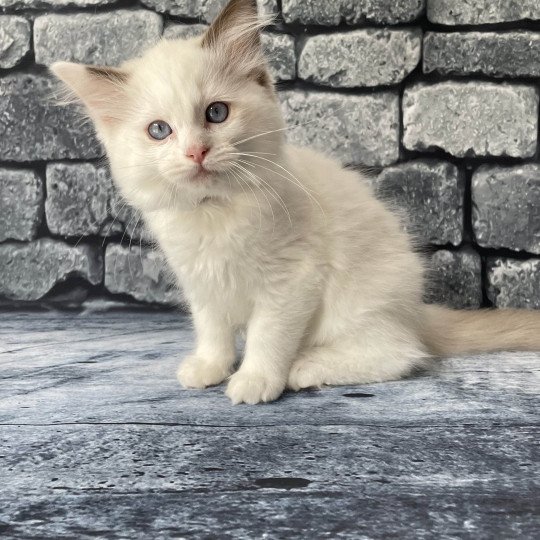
(197, 153)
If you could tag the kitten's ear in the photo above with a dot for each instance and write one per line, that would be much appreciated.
(236, 34)
(101, 89)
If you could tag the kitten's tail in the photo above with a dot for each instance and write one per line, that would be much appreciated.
(454, 332)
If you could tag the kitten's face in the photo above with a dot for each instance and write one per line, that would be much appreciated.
(185, 135)
(188, 120)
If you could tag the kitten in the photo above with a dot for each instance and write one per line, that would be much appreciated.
(278, 241)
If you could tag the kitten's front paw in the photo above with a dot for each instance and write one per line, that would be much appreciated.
(251, 388)
(197, 372)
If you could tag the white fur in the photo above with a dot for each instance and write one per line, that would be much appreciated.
(294, 250)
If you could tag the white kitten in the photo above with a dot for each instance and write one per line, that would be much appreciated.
(266, 237)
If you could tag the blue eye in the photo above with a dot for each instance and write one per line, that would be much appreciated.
(217, 112)
(159, 130)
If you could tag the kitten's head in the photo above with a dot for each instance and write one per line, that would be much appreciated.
(181, 122)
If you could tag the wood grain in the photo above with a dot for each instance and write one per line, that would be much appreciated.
(98, 440)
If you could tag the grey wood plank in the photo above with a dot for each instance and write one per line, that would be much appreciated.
(313, 482)
(369, 512)
(99, 441)
(26, 331)
(103, 369)
(126, 458)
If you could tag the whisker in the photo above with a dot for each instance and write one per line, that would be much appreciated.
(333, 111)
(277, 165)
(258, 203)
(116, 215)
(253, 152)
(262, 134)
(79, 239)
(264, 195)
(293, 180)
(120, 244)
(140, 251)
(165, 198)
(229, 179)
(129, 246)
(271, 189)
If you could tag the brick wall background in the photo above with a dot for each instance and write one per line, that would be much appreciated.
(441, 96)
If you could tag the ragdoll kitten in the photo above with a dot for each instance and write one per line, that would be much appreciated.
(278, 241)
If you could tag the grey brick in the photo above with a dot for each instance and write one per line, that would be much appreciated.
(369, 57)
(14, 40)
(207, 10)
(21, 200)
(471, 118)
(514, 283)
(184, 31)
(29, 271)
(431, 194)
(268, 7)
(105, 38)
(34, 128)
(499, 54)
(78, 199)
(354, 129)
(140, 273)
(332, 13)
(455, 12)
(506, 207)
(183, 8)
(281, 55)
(82, 200)
(455, 279)
(44, 4)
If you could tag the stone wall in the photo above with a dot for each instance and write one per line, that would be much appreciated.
(438, 98)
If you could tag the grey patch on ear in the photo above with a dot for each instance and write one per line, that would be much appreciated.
(263, 78)
(109, 74)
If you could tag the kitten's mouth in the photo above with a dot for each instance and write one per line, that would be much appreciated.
(201, 174)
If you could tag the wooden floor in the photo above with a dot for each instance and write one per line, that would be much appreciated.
(97, 440)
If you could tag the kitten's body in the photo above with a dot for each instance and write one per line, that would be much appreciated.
(275, 240)
(341, 253)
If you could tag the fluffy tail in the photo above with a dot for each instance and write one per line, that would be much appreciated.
(453, 332)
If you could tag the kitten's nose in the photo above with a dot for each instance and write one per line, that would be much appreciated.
(197, 153)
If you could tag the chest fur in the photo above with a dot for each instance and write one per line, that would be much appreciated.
(216, 261)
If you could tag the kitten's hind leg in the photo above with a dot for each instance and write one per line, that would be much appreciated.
(349, 362)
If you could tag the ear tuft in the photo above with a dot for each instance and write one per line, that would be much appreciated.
(239, 15)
